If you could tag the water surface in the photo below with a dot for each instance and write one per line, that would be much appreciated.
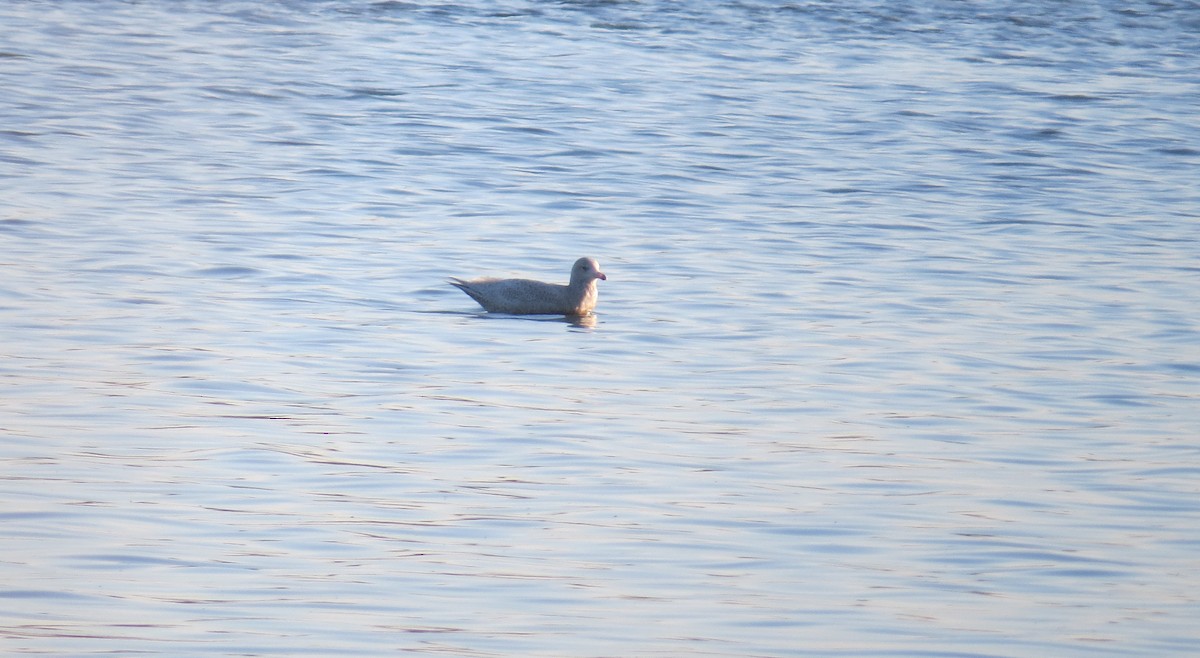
(898, 354)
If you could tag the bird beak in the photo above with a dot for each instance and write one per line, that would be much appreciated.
(600, 275)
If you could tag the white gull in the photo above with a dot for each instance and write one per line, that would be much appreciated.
(527, 297)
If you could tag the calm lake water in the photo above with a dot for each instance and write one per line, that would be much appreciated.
(898, 355)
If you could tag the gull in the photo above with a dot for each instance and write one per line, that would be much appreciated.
(528, 297)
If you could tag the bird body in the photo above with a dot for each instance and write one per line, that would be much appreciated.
(528, 297)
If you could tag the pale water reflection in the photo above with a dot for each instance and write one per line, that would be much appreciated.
(898, 354)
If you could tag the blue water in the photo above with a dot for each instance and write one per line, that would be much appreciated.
(898, 355)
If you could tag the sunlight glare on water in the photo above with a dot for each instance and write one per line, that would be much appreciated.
(897, 354)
